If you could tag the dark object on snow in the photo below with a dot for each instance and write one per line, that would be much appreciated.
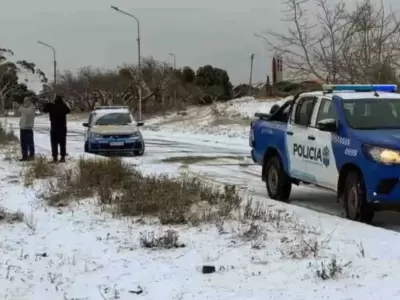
(208, 269)
(137, 292)
(58, 111)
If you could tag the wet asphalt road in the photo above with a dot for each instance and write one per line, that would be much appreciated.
(237, 169)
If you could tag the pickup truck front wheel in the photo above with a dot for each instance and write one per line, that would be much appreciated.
(356, 205)
(277, 181)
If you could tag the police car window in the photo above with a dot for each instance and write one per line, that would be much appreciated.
(115, 119)
(373, 113)
(304, 111)
(325, 110)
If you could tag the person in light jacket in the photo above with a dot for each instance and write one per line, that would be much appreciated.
(26, 123)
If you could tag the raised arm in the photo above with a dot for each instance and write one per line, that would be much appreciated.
(46, 107)
(67, 110)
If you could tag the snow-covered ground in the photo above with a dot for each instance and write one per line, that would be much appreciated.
(230, 118)
(81, 252)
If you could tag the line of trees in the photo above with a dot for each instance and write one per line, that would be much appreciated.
(162, 87)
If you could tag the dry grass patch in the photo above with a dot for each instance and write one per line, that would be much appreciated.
(88, 178)
(7, 137)
(8, 143)
(130, 193)
(11, 152)
(39, 168)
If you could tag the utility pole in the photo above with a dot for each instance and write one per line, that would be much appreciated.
(264, 39)
(174, 57)
(139, 59)
(54, 60)
(251, 73)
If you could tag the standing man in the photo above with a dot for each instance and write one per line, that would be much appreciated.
(58, 111)
(26, 123)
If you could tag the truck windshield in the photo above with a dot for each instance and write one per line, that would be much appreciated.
(372, 113)
(115, 119)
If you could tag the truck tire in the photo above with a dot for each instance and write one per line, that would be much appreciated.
(277, 181)
(356, 206)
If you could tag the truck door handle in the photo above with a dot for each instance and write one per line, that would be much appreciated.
(312, 138)
(289, 132)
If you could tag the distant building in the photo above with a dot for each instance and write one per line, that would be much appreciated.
(277, 69)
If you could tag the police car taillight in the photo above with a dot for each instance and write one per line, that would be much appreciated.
(390, 88)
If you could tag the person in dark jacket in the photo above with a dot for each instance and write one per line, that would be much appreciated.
(58, 111)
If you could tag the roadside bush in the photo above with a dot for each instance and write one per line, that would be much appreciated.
(130, 193)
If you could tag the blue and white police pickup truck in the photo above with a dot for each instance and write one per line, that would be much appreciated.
(345, 138)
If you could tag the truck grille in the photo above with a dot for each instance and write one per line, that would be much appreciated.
(116, 136)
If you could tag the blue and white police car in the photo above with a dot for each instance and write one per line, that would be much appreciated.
(112, 129)
(345, 138)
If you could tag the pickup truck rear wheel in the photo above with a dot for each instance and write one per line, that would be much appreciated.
(277, 181)
(355, 200)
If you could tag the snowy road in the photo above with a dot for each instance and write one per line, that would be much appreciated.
(220, 159)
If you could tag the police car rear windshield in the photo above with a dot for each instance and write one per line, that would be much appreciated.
(372, 113)
(115, 119)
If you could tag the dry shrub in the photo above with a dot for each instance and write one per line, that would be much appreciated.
(10, 217)
(331, 269)
(168, 240)
(131, 193)
(88, 178)
(11, 153)
(7, 137)
(39, 168)
(174, 200)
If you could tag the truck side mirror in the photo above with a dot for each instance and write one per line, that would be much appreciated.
(328, 125)
(85, 125)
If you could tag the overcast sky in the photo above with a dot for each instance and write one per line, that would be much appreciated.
(88, 32)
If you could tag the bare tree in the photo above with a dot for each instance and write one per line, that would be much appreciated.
(337, 43)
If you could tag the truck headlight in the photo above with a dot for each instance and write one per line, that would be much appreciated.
(383, 155)
(136, 134)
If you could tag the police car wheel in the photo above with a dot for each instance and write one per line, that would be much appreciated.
(277, 181)
(139, 152)
(356, 205)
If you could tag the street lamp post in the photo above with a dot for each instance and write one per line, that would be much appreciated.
(174, 57)
(54, 60)
(139, 63)
(251, 73)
